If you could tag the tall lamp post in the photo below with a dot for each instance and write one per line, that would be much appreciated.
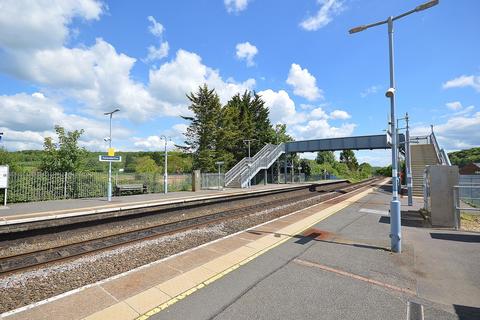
(165, 172)
(110, 114)
(219, 164)
(249, 141)
(395, 218)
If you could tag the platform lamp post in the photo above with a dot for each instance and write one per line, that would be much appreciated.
(395, 218)
(219, 164)
(165, 171)
(248, 142)
(110, 114)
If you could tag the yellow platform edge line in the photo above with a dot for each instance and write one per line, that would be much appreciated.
(340, 206)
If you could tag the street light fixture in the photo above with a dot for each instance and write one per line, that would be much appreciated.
(219, 164)
(395, 217)
(165, 174)
(248, 141)
(109, 196)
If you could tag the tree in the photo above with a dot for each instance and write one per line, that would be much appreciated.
(348, 157)
(64, 155)
(202, 133)
(146, 164)
(365, 170)
(305, 164)
(325, 157)
(8, 158)
(281, 134)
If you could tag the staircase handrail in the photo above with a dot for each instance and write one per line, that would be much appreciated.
(261, 162)
(230, 174)
(438, 151)
(241, 166)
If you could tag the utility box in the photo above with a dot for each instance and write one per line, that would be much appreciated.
(439, 182)
(196, 183)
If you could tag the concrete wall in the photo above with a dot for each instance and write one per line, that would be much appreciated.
(441, 182)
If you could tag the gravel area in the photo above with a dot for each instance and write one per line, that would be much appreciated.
(14, 247)
(470, 222)
(20, 289)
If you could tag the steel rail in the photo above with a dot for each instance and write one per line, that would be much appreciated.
(38, 258)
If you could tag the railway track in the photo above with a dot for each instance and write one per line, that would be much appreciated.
(24, 261)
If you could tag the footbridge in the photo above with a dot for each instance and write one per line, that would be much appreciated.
(245, 170)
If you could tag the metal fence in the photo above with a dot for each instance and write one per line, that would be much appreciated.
(42, 186)
(469, 192)
(212, 180)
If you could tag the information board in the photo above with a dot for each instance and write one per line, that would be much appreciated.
(3, 177)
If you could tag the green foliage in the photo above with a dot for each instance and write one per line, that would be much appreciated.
(463, 157)
(325, 157)
(348, 157)
(305, 164)
(146, 165)
(202, 133)
(217, 133)
(385, 171)
(65, 155)
(10, 159)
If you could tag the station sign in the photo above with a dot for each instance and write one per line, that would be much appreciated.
(110, 158)
(4, 177)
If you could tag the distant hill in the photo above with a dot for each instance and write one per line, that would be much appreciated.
(463, 157)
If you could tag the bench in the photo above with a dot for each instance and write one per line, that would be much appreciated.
(131, 188)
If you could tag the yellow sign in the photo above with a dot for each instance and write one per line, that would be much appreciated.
(111, 152)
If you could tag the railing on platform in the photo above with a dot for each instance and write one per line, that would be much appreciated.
(212, 181)
(42, 186)
(466, 199)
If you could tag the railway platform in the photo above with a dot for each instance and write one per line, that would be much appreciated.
(327, 261)
(28, 212)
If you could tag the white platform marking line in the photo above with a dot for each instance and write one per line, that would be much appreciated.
(380, 212)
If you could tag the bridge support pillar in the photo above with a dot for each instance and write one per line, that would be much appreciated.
(265, 176)
(285, 167)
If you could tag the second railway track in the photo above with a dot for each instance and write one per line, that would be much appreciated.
(19, 262)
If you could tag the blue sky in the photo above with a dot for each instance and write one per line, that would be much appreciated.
(68, 61)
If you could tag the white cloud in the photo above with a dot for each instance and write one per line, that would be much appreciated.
(463, 81)
(153, 143)
(339, 114)
(459, 132)
(155, 53)
(155, 28)
(185, 73)
(281, 107)
(370, 90)
(26, 25)
(455, 105)
(235, 6)
(247, 52)
(318, 113)
(328, 9)
(318, 129)
(27, 119)
(303, 83)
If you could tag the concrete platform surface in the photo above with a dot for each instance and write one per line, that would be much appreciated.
(329, 261)
(44, 210)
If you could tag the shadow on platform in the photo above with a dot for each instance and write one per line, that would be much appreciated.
(467, 313)
(409, 219)
(321, 236)
(473, 238)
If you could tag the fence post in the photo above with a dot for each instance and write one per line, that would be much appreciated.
(65, 185)
(456, 205)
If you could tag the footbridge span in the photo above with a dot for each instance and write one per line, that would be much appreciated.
(247, 168)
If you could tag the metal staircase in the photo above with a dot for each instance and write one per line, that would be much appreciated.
(425, 151)
(247, 168)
